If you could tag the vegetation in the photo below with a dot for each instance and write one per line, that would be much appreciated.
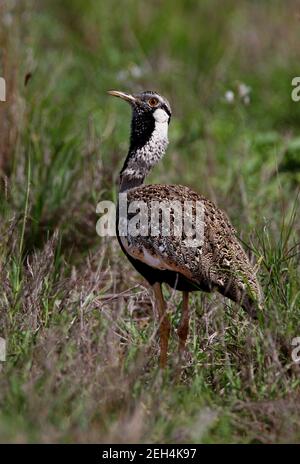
(82, 345)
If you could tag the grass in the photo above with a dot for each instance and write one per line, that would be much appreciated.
(82, 343)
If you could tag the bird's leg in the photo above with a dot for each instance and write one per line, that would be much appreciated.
(164, 324)
(183, 328)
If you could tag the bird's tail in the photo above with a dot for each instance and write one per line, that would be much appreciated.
(249, 297)
(252, 302)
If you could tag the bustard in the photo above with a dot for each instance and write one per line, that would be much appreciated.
(218, 263)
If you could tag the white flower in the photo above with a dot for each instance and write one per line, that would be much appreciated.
(244, 93)
(229, 96)
(136, 71)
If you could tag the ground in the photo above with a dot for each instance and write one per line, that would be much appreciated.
(82, 345)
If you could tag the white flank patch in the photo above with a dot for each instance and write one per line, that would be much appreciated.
(151, 260)
(155, 261)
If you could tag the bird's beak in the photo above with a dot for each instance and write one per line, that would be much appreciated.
(125, 96)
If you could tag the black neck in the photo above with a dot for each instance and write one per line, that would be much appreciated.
(142, 128)
(141, 131)
(127, 182)
(148, 144)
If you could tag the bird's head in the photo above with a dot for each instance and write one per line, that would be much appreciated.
(150, 112)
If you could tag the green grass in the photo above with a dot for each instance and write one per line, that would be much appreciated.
(82, 342)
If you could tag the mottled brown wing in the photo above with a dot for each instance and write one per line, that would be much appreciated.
(219, 262)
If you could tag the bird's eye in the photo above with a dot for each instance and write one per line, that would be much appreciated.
(153, 101)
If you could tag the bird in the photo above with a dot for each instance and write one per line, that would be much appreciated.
(218, 262)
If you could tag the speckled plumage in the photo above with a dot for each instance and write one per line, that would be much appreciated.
(220, 263)
(146, 157)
